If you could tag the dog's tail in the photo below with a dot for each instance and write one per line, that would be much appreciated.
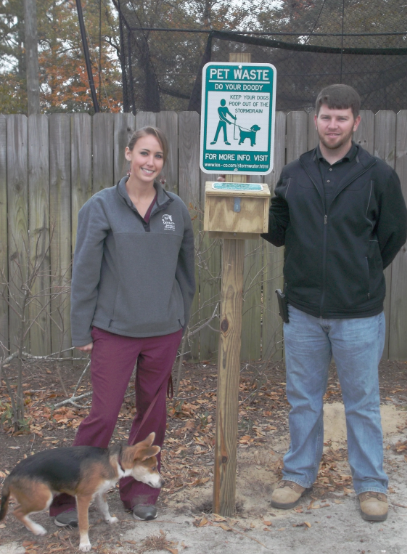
(5, 496)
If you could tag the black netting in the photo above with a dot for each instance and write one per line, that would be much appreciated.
(315, 44)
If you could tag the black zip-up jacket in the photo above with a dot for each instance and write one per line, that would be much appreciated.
(334, 259)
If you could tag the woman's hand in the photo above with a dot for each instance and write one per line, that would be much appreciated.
(86, 348)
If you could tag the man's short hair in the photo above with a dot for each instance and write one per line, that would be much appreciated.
(339, 97)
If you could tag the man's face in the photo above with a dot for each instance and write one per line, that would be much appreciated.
(335, 127)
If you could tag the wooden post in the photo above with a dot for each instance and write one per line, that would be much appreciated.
(227, 404)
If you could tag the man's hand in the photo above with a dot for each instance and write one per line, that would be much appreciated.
(86, 348)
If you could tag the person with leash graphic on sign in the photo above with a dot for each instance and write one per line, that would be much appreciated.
(223, 113)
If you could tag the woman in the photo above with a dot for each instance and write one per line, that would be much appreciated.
(132, 288)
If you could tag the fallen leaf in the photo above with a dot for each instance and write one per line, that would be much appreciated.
(198, 482)
(268, 523)
(217, 517)
(225, 527)
(203, 522)
(172, 550)
(2, 526)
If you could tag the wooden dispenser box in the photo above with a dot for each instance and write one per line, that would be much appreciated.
(236, 210)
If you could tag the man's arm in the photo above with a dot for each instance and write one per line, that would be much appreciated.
(231, 115)
(391, 228)
(279, 218)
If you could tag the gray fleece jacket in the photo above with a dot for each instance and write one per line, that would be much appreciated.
(130, 277)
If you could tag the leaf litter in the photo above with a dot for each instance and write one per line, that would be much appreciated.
(188, 453)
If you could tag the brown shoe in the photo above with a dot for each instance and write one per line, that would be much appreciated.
(287, 495)
(373, 506)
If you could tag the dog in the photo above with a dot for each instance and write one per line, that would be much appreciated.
(251, 134)
(86, 472)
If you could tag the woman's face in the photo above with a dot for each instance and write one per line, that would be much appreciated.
(146, 160)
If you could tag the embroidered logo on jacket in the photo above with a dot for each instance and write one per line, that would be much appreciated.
(168, 223)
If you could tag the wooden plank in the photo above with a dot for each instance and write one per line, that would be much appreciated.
(102, 147)
(398, 311)
(3, 230)
(189, 191)
(272, 333)
(312, 141)
(297, 135)
(252, 301)
(385, 148)
(221, 217)
(365, 132)
(210, 263)
(279, 151)
(168, 123)
(60, 223)
(38, 186)
(17, 200)
(227, 405)
(244, 57)
(81, 166)
(124, 126)
(144, 119)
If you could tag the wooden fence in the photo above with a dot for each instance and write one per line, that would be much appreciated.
(50, 165)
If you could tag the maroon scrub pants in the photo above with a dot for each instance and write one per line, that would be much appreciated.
(112, 362)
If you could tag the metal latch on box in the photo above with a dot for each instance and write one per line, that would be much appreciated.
(236, 204)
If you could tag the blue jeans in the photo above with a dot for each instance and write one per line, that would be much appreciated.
(356, 346)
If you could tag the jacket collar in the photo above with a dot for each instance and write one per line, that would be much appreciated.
(309, 162)
(163, 198)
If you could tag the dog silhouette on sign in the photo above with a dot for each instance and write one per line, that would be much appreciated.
(248, 133)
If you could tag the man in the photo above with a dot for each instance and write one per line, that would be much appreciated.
(223, 112)
(341, 215)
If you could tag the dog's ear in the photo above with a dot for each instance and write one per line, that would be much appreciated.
(148, 441)
(145, 453)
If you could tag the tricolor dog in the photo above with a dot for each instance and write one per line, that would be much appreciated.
(86, 472)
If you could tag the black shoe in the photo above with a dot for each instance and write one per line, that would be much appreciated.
(228, 143)
(67, 519)
(144, 513)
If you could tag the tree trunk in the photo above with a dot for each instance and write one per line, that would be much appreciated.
(31, 55)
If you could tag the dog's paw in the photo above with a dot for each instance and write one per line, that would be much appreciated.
(38, 529)
(112, 520)
(85, 546)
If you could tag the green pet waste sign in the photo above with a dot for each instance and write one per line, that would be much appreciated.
(237, 118)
